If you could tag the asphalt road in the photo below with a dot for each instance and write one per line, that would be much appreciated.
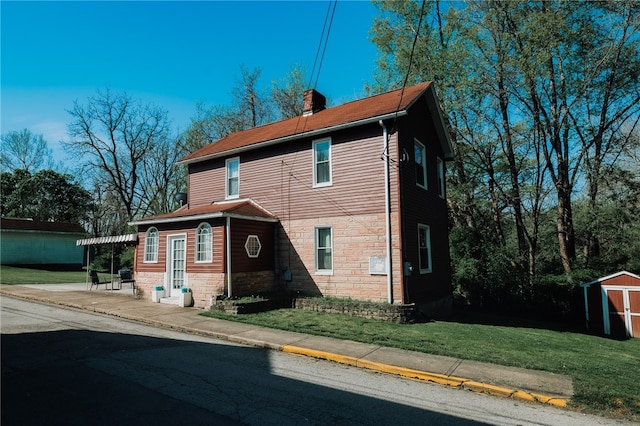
(67, 367)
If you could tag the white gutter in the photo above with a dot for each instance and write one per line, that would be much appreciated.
(228, 250)
(387, 211)
(293, 137)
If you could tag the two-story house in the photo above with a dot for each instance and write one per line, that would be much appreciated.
(348, 201)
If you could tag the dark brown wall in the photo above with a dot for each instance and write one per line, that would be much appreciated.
(420, 206)
(240, 261)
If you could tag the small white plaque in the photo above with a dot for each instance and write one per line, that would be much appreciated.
(378, 265)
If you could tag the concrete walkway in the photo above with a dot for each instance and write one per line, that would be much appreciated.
(509, 382)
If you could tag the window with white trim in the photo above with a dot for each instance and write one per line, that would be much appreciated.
(420, 158)
(204, 243)
(324, 249)
(151, 239)
(253, 246)
(322, 162)
(441, 189)
(424, 248)
(232, 182)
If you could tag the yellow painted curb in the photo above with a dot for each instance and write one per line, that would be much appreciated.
(343, 359)
(440, 379)
(489, 389)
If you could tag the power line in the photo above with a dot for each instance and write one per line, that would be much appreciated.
(413, 47)
(324, 38)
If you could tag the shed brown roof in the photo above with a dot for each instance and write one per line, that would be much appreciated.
(36, 225)
(352, 112)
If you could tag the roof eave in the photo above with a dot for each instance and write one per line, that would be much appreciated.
(294, 137)
(441, 126)
(203, 216)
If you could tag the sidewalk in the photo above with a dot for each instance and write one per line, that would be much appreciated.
(509, 382)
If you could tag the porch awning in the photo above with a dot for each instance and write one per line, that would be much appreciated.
(114, 239)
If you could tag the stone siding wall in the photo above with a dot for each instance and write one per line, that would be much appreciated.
(355, 240)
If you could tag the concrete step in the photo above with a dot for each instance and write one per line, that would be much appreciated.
(170, 300)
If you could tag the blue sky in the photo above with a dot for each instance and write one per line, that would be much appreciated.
(171, 54)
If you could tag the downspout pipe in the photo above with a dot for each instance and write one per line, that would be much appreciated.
(387, 210)
(228, 250)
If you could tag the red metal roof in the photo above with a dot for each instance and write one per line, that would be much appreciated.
(245, 208)
(351, 112)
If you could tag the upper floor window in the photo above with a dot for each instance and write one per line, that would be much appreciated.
(424, 248)
(232, 184)
(324, 250)
(151, 245)
(441, 192)
(322, 162)
(204, 243)
(420, 154)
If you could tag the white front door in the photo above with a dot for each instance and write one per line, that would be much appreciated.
(176, 264)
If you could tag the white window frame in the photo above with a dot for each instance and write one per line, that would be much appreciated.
(441, 188)
(423, 149)
(317, 249)
(427, 229)
(253, 246)
(227, 187)
(204, 248)
(151, 244)
(317, 184)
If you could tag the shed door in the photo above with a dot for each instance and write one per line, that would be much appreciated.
(624, 311)
(634, 311)
(617, 314)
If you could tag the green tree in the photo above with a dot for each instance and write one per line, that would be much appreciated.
(46, 196)
(286, 94)
(543, 105)
(252, 106)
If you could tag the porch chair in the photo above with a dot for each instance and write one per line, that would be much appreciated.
(95, 280)
(125, 276)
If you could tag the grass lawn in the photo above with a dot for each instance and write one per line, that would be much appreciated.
(16, 275)
(605, 372)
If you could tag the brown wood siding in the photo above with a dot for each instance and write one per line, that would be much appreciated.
(189, 229)
(622, 280)
(206, 182)
(217, 263)
(240, 260)
(280, 177)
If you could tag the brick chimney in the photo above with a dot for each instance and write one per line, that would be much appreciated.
(313, 102)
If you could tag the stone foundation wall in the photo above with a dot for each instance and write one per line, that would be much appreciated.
(252, 283)
(402, 314)
(204, 286)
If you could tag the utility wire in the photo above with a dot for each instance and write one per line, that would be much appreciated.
(324, 39)
(413, 47)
